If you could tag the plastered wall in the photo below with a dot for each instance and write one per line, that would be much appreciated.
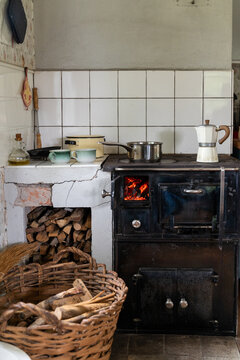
(11, 52)
(136, 34)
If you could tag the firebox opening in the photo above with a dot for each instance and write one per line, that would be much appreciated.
(136, 188)
(56, 229)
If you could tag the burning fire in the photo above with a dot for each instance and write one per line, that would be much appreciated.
(136, 188)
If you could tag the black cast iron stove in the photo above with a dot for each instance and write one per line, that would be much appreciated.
(176, 231)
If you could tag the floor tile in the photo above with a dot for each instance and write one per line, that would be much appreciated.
(219, 347)
(120, 344)
(118, 357)
(160, 357)
(146, 344)
(184, 345)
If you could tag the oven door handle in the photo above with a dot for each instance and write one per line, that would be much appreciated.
(193, 191)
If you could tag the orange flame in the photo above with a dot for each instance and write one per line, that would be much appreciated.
(136, 188)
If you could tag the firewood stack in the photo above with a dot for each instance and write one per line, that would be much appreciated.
(57, 228)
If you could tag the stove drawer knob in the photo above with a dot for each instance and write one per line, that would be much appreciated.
(136, 224)
(169, 304)
(183, 303)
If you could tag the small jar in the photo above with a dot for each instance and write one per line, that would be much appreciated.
(19, 156)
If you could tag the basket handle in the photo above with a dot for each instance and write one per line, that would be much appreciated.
(80, 253)
(49, 318)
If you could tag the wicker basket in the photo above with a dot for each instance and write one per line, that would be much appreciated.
(61, 340)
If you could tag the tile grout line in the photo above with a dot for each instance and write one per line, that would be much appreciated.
(90, 103)
(203, 98)
(118, 110)
(61, 106)
(146, 106)
(174, 112)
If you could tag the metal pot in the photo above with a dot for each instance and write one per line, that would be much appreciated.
(150, 151)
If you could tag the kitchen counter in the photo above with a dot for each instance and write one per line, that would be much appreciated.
(45, 172)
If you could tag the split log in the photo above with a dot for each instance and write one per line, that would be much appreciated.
(88, 234)
(63, 222)
(35, 230)
(35, 213)
(88, 222)
(58, 215)
(44, 249)
(54, 233)
(45, 217)
(51, 228)
(69, 311)
(30, 238)
(67, 229)
(77, 226)
(79, 284)
(61, 237)
(42, 237)
(34, 224)
(77, 215)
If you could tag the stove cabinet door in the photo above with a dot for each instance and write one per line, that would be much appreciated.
(195, 293)
(176, 298)
(157, 298)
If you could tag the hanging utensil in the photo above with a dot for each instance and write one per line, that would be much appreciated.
(26, 90)
(36, 108)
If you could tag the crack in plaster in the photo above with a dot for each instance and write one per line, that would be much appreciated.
(73, 183)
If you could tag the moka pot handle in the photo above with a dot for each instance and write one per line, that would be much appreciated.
(227, 133)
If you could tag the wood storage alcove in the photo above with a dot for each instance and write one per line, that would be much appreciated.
(57, 228)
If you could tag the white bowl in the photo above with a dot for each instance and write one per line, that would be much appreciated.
(11, 352)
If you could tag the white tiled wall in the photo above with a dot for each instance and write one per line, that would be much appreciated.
(134, 105)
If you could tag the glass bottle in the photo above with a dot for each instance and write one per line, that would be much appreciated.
(18, 156)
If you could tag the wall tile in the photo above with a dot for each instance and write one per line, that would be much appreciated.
(132, 112)
(48, 84)
(127, 134)
(218, 84)
(111, 134)
(132, 84)
(164, 135)
(75, 84)
(188, 112)
(103, 84)
(218, 111)
(189, 84)
(75, 112)
(51, 136)
(49, 113)
(103, 112)
(160, 112)
(186, 140)
(160, 83)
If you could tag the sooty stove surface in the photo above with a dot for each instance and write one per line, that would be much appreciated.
(168, 161)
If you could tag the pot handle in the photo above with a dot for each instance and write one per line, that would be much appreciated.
(128, 148)
(227, 133)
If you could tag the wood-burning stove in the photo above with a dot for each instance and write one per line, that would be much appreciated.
(176, 233)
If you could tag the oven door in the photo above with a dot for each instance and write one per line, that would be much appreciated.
(184, 206)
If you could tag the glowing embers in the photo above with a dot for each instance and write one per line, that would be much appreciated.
(136, 188)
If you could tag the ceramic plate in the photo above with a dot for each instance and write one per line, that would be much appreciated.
(10, 352)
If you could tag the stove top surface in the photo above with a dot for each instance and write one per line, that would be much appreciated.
(168, 161)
